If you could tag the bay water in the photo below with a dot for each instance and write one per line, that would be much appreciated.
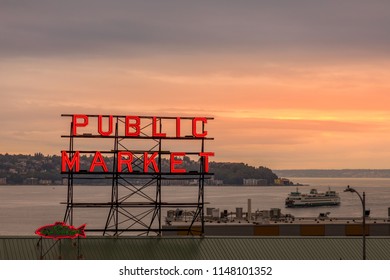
(25, 208)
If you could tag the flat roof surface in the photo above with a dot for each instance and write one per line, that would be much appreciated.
(194, 248)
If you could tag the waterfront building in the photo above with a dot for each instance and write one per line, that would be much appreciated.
(282, 182)
(254, 182)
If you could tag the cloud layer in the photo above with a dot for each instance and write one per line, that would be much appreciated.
(46, 27)
(292, 84)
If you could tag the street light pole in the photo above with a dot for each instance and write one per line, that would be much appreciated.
(363, 201)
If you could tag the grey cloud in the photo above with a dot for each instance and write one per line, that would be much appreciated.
(47, 27)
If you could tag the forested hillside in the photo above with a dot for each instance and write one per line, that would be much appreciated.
(22, 169)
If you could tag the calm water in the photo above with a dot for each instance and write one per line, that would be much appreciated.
(25, 208)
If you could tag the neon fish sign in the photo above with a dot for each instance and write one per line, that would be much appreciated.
(60, 230)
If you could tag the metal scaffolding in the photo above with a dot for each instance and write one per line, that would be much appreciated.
(136, 202)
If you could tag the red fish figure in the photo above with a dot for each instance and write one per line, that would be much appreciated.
(60, 230)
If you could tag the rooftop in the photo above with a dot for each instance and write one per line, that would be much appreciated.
(194, 248)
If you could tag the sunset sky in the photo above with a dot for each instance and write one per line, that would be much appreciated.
(291, 84)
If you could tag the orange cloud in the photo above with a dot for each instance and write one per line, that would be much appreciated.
(282, 116)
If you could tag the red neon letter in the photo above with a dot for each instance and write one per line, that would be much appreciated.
(65, 162)
(98, 160)
(100, 126)
(126, 161)
(194, 133)
(152, 160)
(77, 124)
(206, 160)
(175, 161)
(154, 129)
(135, 125)
(178, 127)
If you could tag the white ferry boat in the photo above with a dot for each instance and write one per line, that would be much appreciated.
(314, 198)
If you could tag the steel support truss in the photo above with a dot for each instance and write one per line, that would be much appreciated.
(135, 206)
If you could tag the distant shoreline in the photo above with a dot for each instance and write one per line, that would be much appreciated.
(333, 173)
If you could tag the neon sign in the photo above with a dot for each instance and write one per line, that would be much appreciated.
(132, 127)
(60, 230)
